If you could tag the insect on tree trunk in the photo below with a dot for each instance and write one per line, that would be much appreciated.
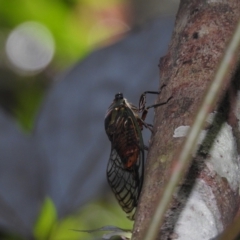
(207, 199)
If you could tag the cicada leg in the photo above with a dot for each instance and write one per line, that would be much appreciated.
(146, 125)
(142, 100)
(144, 109)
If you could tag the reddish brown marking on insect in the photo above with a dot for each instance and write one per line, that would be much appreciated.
(132, 156)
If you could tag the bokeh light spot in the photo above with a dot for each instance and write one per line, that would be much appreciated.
(30, 47)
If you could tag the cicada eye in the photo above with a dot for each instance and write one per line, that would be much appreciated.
(118, 96)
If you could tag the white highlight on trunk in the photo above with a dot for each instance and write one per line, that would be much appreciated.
(223, 157)
(200, 219)
(183, 130)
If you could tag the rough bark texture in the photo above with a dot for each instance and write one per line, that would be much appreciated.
(202, 30)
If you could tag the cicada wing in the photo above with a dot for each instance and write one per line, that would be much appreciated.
(126, 183)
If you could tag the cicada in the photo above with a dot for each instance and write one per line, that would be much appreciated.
(125, 170)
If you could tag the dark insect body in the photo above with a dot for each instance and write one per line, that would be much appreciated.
(125, 170)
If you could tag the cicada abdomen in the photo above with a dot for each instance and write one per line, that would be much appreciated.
(126, 163)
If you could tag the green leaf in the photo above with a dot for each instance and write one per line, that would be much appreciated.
(46, 220)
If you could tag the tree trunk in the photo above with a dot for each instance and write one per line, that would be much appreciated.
(208, 198)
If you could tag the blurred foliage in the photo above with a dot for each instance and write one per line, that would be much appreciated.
(20, 96)
(70, 22)
(92, 216)
(46, 219)
(9, 236)
(78, 26)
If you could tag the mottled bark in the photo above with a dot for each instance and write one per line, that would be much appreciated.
(208, 198)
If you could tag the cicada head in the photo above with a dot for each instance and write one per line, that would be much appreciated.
(117, 105)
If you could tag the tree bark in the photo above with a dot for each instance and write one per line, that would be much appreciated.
(208, 198)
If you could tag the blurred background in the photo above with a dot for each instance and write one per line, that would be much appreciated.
(61, 63)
